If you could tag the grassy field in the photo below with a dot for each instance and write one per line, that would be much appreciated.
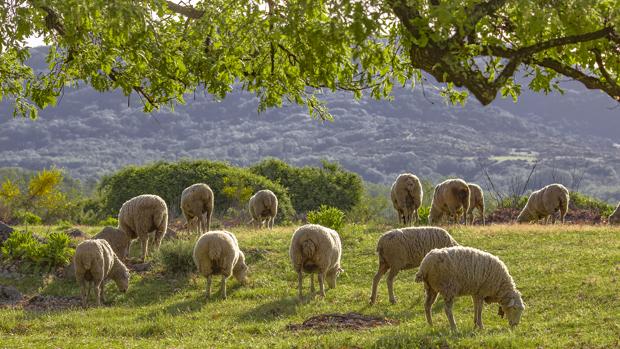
(569, 277)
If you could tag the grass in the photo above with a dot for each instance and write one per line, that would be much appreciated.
(569, 276)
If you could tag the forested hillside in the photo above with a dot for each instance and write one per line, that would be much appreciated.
(573, 136)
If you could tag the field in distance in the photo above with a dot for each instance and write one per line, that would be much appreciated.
(568, 275)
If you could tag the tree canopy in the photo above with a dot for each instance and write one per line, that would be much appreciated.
(292, 51)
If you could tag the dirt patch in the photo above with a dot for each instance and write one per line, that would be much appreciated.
(349, 321)
(46, 303)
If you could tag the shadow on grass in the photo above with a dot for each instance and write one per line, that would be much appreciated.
(272, 310)
(153, 287)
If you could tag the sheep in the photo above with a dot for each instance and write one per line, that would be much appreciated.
(451, 197)
(95, 262)
(218, 253)
(476, 201)
(118, 240)
(402, 249)
(141, 215)
(406, 194)
(459, 271)
(263, 206)
(614, 217)
(197, 206)
(316, 249)
(544, 203)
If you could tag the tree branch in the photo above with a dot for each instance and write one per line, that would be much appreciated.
(478, 12)
(563, 41)
(187, 11)
(601, 68)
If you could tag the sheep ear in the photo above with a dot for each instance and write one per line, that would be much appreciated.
(512, 302)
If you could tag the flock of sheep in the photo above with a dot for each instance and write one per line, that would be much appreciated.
(445, 267)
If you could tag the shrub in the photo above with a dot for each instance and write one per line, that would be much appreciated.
(310, 187)
(176, 256)
(23, 246)
(57, 251)
(327, 216)
(63, 224)
(423, 212)
(20, 245)
(578, 200)
(27, 217)
(108, 222)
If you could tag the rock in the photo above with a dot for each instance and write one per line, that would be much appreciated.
(5, 232)
(140, 267)
(77, 234)
(9, 294)
(171, 234)
(67, 272)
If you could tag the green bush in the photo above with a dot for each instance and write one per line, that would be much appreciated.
(63, 224)
(423, 212)
(20, 245)
(311, 187)
(176, 256)
(27, 217)
(580, 201)
(327, 216)
(57, 251)
(108, 222)
(232, 186)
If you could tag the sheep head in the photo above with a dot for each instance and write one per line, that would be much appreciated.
(512, 307)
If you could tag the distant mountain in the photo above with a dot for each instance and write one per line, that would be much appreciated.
(574, 135)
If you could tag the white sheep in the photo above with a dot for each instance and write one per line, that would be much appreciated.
(401, 249)
(118, 240)
(476, 201)
(406, 195)
(218, 253)
(316, 249)
(197, 207)
(459, 271)
(95, 263)
(142, 215)
(263, 206)
(543, 203)
(614, 217)
(451, 197)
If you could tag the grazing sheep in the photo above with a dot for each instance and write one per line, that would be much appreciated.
(95, 262)
(451, 197)
(197, 207)
(316, 249)
(218, 253)
(544, 203)
(406, 197)
(263, 206)
(141, 215)
(476, 201)
(118, 240)
(402, 249)
(459, 271)
(614, 217)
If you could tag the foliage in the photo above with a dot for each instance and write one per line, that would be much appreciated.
(374, 206)
(108, 222)
(289, 52)
(311, 187)
(231, 185)
(578, 200)
(176, 256)
(423, 213)
(327, 216)
(27, 217)
(24, 247)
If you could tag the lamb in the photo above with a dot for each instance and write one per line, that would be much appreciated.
(407, 197)
(402, 249)
(141, 215)
(197, 207)
(118, 240)
(451, 197)
(263, 206)
(459, 271)
(218, 253)
(316, 249)
(95, 262)
(544, 203)
(476, 201)
(614, 217)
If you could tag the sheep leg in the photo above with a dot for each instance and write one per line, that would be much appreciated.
(300, 279)
(223, 287)
(208, 221)
(553, 218)
(478, 303)
(448, 302)
(98, 288)
(482, 215)
(383, 268)
(431, 296)
(84, 290)
(102, 291)
(390, 284)
(312, 283)
(321, 284)
(144, 241)
(208, 290)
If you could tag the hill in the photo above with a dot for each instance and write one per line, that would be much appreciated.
(573, 136)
